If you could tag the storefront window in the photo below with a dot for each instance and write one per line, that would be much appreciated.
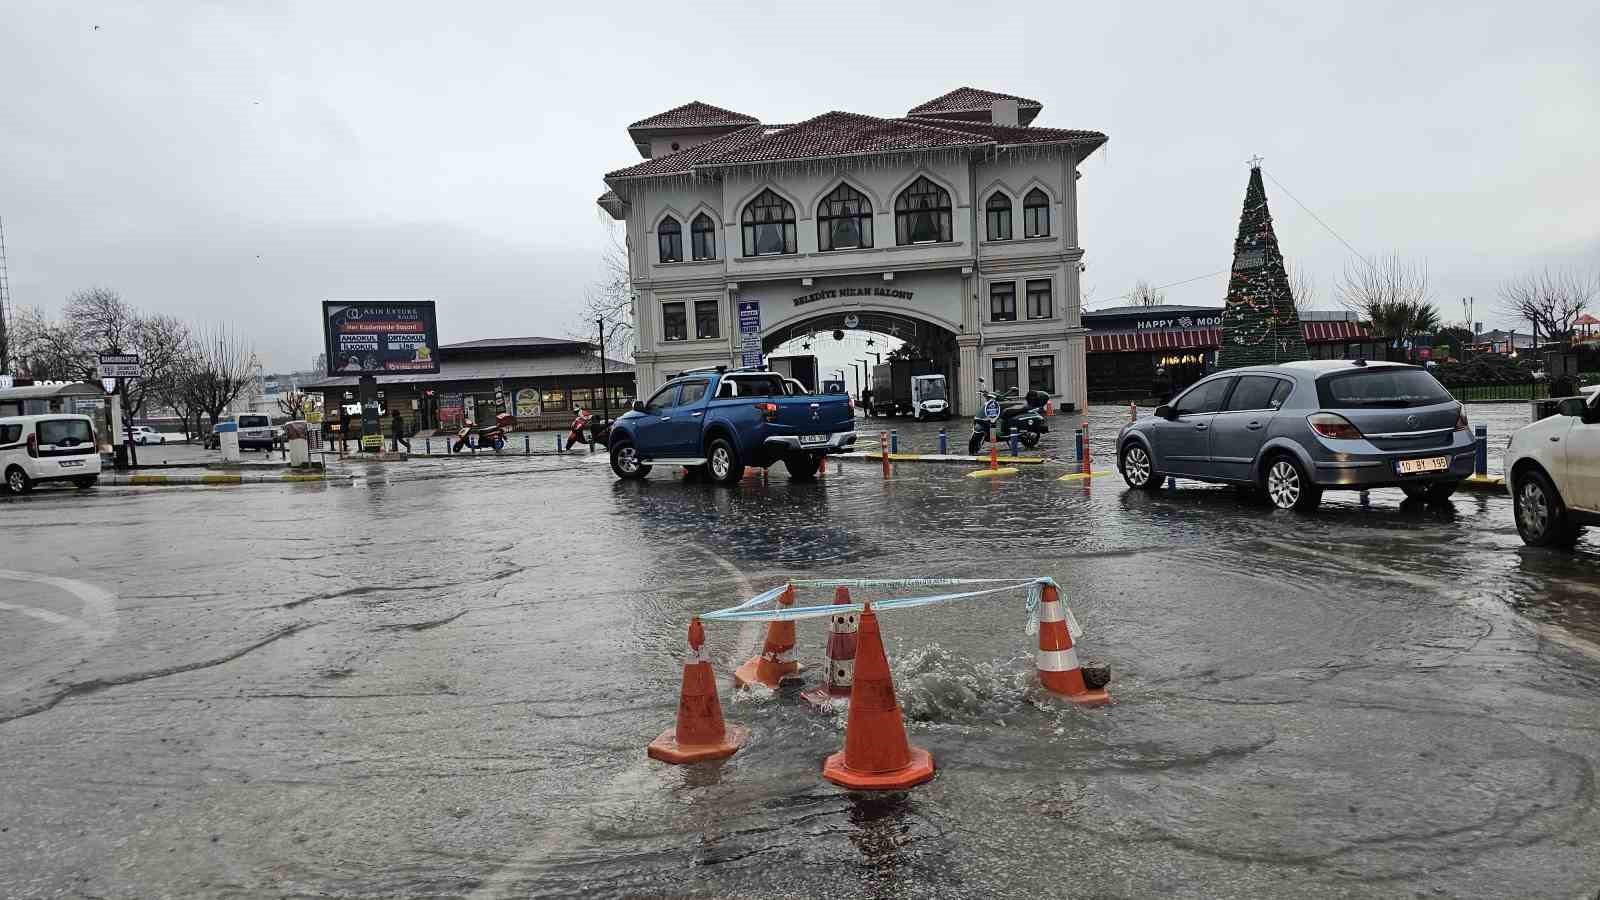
(1003, 301)
(1005, 374)
(1042, 374)
(554, 400)
(705, 319)
(674, 322)
(583, 397)
(1039, 303)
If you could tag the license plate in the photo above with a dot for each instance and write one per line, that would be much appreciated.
(813, 439)
(1430, 464)
(69, 463)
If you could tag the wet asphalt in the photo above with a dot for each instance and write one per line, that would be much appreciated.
(439, 681)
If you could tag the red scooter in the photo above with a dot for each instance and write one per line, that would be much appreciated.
(494, 436)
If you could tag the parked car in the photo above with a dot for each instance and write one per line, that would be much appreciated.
(56, 447)
(1295, 430)
(144, 434)
(719, 421)
(1552, 471)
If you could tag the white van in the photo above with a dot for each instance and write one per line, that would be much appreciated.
(54, 447)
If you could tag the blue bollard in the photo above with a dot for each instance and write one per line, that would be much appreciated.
(527, 445)
(944, 443)
(894, 440)
(1013, 444)
(1077, 443)
(427, 442)
(558, 443)
(1480, 437)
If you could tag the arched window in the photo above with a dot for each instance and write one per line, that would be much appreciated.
(998, 212)
(844, 220)
(669, 240)
(922, 214)
(703, 237)
(768, 225)
(1035, 214)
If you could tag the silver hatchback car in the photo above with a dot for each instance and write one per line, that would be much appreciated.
(1297, 429)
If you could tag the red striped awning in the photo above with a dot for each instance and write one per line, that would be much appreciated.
(1331, 332)
(1135, 341)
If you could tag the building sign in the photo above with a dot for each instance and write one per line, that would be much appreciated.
(833, 293)
(1179, 322)
(120, 365)
(1029, 345)
(451, 409)
(527, 403)
(1250, 259)
(749, 332)
(380, 337)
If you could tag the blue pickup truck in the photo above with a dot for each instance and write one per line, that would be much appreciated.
(719, 420)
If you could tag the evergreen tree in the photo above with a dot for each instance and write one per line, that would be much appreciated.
(1259, 322)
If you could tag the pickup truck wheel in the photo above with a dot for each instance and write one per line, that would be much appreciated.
(625, 462)
(722, 462)
(1030, 439)
(802, 467)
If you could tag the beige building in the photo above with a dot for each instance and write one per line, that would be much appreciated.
(954, 227)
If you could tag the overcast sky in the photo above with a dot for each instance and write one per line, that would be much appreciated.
(239, 162)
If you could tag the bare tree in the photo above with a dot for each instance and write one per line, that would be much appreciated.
(1145, 295)
(1552, 301)
(293, 405)
(46, 349)
(610, 300)
(1391, 293)
(219, 366)
(161, 342)
(102, 320)
(1302, 287)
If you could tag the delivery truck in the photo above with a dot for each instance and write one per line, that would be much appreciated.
(801, 368)
(909, 387)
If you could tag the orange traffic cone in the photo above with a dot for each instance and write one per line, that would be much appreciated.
(841, 655)
(876, 755)
(1057, 662)
(776, 664)
(700, 734)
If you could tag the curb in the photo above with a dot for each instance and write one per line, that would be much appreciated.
(1484, 484)
(216, 480)
(945, 458)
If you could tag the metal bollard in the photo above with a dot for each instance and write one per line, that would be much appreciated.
(527, 445)
(1013, 444)
(1133, 411)
(558, 443)
(1088, 465)
(1077, 445)
(944, 443)
(1480, 437)
(427, 444)
(894, 440)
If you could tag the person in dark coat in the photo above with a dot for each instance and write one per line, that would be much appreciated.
(398, 433)
(344, 429)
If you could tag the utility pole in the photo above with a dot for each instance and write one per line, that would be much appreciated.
(605, 399)
(5, 303)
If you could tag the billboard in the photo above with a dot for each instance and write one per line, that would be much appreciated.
(380, 337)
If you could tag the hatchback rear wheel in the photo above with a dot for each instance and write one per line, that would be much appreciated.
(1138, 470)
(1287, 486)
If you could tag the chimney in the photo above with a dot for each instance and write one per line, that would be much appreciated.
(1004, 112)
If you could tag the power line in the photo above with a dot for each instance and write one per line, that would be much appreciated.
(1313, 215)
(1162, 287)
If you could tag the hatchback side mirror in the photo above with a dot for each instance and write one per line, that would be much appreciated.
(638, 406)
(1166, 412)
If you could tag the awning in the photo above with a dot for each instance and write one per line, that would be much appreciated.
(1135, 341)
(1211, 338)
(1330, 332)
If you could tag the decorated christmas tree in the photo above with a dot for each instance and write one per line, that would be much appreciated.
(1259, 322)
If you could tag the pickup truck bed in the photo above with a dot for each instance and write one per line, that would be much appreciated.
(722, 422)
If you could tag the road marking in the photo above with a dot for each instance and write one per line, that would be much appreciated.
(98, 621)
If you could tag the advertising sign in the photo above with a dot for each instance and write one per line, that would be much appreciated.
(120, 365)
(749, 332)
(380, 337)
(527, 403)
(450, 409)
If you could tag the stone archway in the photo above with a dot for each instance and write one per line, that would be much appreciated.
(932, 340)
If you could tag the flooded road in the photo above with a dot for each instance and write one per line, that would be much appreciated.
(440, 682)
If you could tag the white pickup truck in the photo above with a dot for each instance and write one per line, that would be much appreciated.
(1553, 473)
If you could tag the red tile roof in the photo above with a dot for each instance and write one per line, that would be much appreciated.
(970, 100)
(684, 161)
(846, 134)
(693, 114)
(1008, 134)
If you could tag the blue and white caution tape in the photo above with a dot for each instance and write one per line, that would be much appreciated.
(763, 608)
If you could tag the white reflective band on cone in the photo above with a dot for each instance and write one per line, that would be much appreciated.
(1056, 660)
(1051, 612)
(782, 656)
(696, 656)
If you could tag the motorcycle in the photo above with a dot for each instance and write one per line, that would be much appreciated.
(1007, 415)
(599, 429)
(475, 436)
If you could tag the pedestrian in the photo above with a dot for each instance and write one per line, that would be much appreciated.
(398, 433)
(1163, 385)
(344, 430)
